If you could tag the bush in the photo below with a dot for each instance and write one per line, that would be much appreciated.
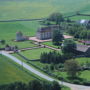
(87, 83)
(76, 81)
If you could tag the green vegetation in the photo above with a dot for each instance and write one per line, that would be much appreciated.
(83, 60)
(19, 9)
(8, 30)
(35, 53)
(34, 85)
(49, 43)
(85, 75)
(9, 72)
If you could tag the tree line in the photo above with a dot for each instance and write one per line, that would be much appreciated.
(32, 85)
(79, 31)
(54, 57)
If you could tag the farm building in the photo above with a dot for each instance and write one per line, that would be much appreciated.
(83, 49)
(20, 37)
(46, 32)
(84, 22)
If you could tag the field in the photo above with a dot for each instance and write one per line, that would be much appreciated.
(20, 9)
(8, 32)
(35, 53)
(9, 72)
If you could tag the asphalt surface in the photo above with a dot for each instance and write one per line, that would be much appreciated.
(35, 71)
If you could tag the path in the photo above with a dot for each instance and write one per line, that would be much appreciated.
(33, 70)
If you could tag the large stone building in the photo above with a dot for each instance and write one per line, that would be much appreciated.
(46, 32)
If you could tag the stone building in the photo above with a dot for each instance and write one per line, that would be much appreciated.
(46, 32)
(20, 37)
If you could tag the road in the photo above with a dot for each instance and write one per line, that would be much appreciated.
(35, 71)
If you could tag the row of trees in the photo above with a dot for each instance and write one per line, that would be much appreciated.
(32, 85)
(54, 57)
(79, 32)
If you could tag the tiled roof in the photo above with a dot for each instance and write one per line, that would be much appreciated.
(82, 48)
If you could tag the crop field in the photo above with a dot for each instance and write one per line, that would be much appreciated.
(20, 9)
(9, 72)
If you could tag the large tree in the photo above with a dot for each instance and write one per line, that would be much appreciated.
(68, 46)
(55, 86)
(56, 17)
(35, 85)
(72, 68)
(57, 37)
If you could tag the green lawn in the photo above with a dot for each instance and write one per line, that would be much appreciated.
(83, 60)
(84, 75)
(24, 44)
(49, 43)
(9, 72)
(40, 8)
(35, 53)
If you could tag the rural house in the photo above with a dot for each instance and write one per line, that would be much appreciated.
(46, 32)
(84, 22)
(83, 49)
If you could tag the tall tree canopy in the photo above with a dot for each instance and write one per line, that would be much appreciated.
(68, 46)
(56, 17)
(57, 37)
(72, 67)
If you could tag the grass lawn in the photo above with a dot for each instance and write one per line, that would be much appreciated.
(9, 72)
(84, 75)
(35, 53)
(65, 88)
(49, 43)
(24, 44)
(83, 60)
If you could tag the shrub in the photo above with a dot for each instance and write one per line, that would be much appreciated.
(76, 81)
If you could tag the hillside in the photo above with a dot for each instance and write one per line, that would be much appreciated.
(10, 72)
(18, 9)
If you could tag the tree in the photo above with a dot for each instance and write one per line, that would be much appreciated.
(2, 42)
(72, 68)
(68, 46)
(57, 37)
(55, 86)
(34, 85)
(56, 17)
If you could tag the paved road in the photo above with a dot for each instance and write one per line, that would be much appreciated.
(33, 70)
